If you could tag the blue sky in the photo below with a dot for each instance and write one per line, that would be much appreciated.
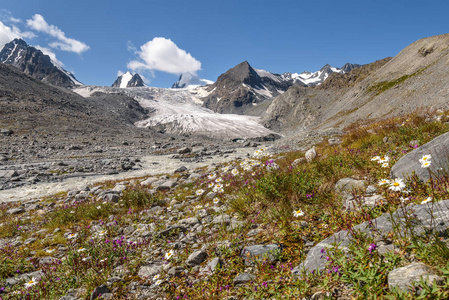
(97, 39)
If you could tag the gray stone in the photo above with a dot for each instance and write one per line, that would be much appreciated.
(403, 278)
(119, 188)
(409, 163)
(171, 230)
(347, 185)
(99, 291)
(112, 198)
(209, 269)
(175, 271)
(181, 169)
(334, 141)
(149, 181)
(15, 211)
(243, 278)
(351, 204)
(260, 253)
(47, 260)
(189, 222)
(423, 221)
(7, 174)
(167, 185)
(298, 161)
(371, 189)
(150, 270)
(184, 150)
(196, 258)
(222, 219)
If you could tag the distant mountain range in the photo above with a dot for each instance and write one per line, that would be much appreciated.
(128, 80)
(35, 63)
(243, 87)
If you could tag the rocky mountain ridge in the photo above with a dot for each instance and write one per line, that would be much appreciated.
(188, 80)
(35, 63)
(128, 80)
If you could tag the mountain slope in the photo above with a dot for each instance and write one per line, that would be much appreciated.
(30, 105)
(33, 62)
(188, 80)
(416, 77)
(128, 80)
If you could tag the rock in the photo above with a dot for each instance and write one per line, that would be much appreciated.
(8, 174)
(346, 185)
(47, 260)
(150, 270)
(403, 278)
(222, 220)
(423, 220)
(209, 269)
(171, 230)
(149, 181)
(5, 131)
(196, 258)
(243, 278)
(298, 161)
(119, 188)
(260, 253)
(184, 150)
(334, 141)
(352, 204)
(189, 222)
(409, 163)
(310, 154)
(371, 189)
(175, 271)
(99, 291)
(167, 185)
(15, 211)
(181, 169)
(114, 198)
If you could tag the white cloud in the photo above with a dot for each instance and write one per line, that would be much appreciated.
(64, 43)
(161, 54)
(7, 34)
(120, 73)
(47, 51)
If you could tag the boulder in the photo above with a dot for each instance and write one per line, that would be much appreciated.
(403, 278)
(260, 252)
(243, 278)
(423, 220)
(150, 270)
(409, 163)
(347, 185)
(196, 258)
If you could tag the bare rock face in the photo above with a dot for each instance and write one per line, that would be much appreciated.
(33, 62)
(409, 163)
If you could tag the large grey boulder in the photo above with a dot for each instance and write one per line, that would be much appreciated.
(426, 216)
(403, 278)
(243, 278)
(150, 270)
(409, 163)
(196, 258)
(260, 253)
(347, 185)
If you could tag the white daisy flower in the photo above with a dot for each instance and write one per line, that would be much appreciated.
(384, 165)
(72, 236)
(216, 200)
(383, 159)
(212, 176)
(375, 158)
(298, 213)
(33, 281)
(169, 254)
(383, 182)
(426, 164)
(218, 180)
(81, 249)
(158, 282)
(425, 158)
(50, 250)
(199, 192)
(397, 185)
(156, 277)
(235, 172)
(428, 199)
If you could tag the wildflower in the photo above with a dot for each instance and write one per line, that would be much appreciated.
(428, 199)
(425, 164)
(216, 200)
(384, 165)
(225, 169)
(198, 207)
(31, 282)
(383, 182)
(72, 211)
(235, 172)
(86, 258)
(81, 249)
(50, 250)
(403, 199)
(397, 185)
(99, 207)
(103, 260)
(383, 159)
(298, 213)
(169, 254)
(218, 187)
(158, 282)
(212, 176)
(101, 233)
(218, 180)
(210, 184)
(425, 158)
(372, 247)
(156, 277)
(72, 236)
(199, 192)
(375, 158)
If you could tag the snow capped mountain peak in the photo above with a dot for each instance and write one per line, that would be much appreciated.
(188, 80)
(33, 62)
(128, 80)
(307, 78)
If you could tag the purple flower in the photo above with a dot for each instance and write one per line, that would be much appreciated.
(323, 250)
(372, 247)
